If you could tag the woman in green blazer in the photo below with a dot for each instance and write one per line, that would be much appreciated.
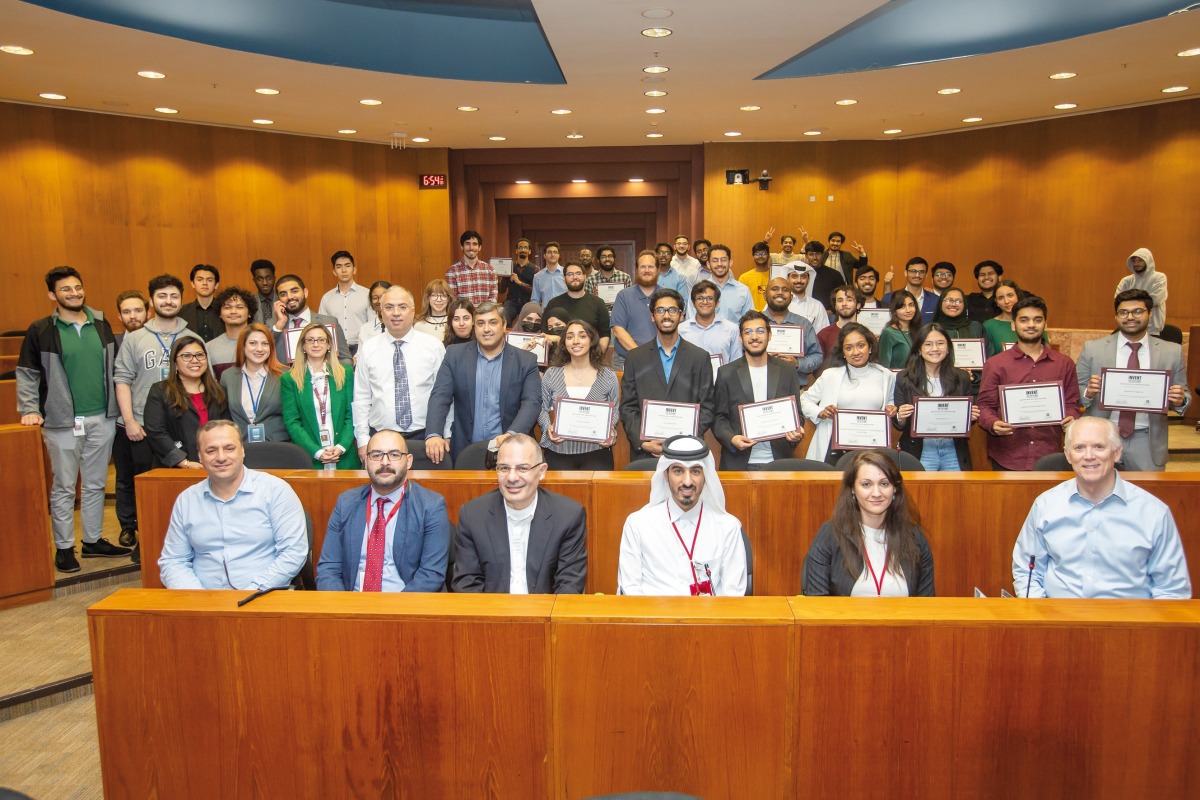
(317, 393)
(895, 340)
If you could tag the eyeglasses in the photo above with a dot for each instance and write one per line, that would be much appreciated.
(504, 470)
(916, 271)
(315, 340)
(667, 312)
(952, 301)
(441, 295)
(193, 357)
(754, 331)
(1131, 312)
(704, 298)
(376, 456)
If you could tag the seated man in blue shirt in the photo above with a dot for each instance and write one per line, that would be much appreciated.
(1096, 535)
(239, 529)
(389, 536)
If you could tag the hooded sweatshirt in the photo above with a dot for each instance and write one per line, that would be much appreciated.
(1153, 282)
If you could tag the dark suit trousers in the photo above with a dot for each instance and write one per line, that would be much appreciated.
(130, 459)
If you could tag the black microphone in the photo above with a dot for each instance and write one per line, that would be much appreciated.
(1028, 583)
(260, 593)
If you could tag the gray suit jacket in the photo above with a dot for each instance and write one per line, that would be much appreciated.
(556, 557)
(270, 405)
(320, 319)
(734, 389)
(1100, 353)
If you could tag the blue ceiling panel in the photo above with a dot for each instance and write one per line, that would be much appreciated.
(475, 40)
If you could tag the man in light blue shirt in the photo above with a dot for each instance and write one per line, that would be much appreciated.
(239, 529)
(549, 282)
(1097, 536)
(735, 296)
(668, 276)
(708, 330)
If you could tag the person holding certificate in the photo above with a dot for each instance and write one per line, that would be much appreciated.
(1029, 423)
(952, 316)
(853, 380)
(255, 400)
(895, 342)
(872, 546)
(1129, 370)
(756, 417)
(930, 373)
(570, 438)
(317, 394)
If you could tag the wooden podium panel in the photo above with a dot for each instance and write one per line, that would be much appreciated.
(350, 696)
(27, 565)
(688, 695)
(997, 698)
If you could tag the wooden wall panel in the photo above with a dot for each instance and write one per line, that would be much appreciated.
(1061, 203)
(124, 199)
(26, 570)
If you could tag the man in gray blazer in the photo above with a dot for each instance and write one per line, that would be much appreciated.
(1143, 435)
(518, 538)
(291, 311)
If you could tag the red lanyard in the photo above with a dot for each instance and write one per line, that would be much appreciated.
(387, 521)
(695, 535)
(322, 402)
(882, 573)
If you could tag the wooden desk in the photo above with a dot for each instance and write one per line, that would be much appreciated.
(27, 566)
(8, 403)
(11, 345)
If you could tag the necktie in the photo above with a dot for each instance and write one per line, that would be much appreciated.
(297, 322)
(1125, 418)
(403, 401)
(373, 575)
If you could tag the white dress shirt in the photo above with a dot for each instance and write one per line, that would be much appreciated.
(892, 584)
(519, 521)
(812, 310)
(653, 562)
(375, 382)
(352, 309)
(252, 389)
(392, 582)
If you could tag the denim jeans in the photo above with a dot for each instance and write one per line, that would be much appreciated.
(939, 455)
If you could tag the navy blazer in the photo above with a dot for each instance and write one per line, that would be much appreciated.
(520, 394)
(420, 549)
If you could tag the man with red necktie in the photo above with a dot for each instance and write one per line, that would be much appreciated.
(390, 536)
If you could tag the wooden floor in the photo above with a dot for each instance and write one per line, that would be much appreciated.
(53, 753)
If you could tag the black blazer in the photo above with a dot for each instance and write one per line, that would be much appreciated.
(734, 389)
(956, 383)
(164, 427)
(825, 572)
(644, 379)
(556, 558)
(850, 264)
(827, 279)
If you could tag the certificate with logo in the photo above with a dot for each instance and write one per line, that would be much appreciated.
(874, 319)
(786, 340)
(716, 359)
(662, 420)
(969, 353)
(860, 430)
(501, 266)
(533, 342)
(770, 419)
(1025, 405)
(583, 420)
(941, 417)
(608, 292)
(1143, 390)
(291, 341)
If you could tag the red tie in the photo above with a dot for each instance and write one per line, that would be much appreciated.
(373, 575)
(297, 322)
(1125, 418)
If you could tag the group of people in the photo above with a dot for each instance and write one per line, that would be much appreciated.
(691, 340)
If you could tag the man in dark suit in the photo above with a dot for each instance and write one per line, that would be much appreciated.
(838, 259)
(389, 536)
(666, 368)
(495, 389)
(520, 539)
(753, 378)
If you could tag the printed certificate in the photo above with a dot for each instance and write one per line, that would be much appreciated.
(583, 420)
(1143, 390)
(941, 417)
(291, 341)
(1024, 405)
(786, 340)
(662, 420)
(770, 419)
(533, 342)
(969, 353)
(860, 430)
(874, 319)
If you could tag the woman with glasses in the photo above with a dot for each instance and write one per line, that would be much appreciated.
(255, 399)
(461, 327)
(930, 372)
(433, 318)
(895, 340)
(178, 406)
(317, 393)
(374, 323)
(578, 373)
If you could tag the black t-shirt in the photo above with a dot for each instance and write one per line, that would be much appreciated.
(520, 295)
(588, 308)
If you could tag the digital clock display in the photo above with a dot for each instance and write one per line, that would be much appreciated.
(433, 182)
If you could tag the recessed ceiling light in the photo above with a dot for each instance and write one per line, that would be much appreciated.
(949, 91)
(1065, 106)
(1062, 76)
(151, 75)
(656, 111)
(1195, 51)
(522, 182)
(637, 180)
(657, 33)
(578, 180)
(561, 111)
(263, 121)
(165, 110)
(733, 133)
(1173, 89)
(52, 96)
(657, 13)
(370, 102)
(574, 135)
(846, 102)
(751, 108)
(497, 138)
(467, 108)
(890, 131)
(347, 131)
(267, 91)
(654, 135)
(656, 69)
(812, 133)
(420, 139)
(972, 119)
(17, 50)
(655, 93)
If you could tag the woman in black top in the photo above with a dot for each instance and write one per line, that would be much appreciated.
(930, 372)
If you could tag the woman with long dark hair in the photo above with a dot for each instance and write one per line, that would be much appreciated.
(930, 372)
(873, 545)
(999, 329)
(461, 327)
(895, 340)
(178, 406)
(577, 372)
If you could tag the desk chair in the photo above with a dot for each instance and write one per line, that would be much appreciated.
(277, 455)
(905, 461)
(1052, 462)
(641, 465)
(473, 457)
(749, 563)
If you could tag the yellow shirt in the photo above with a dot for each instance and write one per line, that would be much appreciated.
(757, 281)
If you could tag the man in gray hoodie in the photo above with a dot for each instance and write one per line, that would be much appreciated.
(1143, 276)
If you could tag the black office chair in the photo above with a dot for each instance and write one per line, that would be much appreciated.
(1052, 462)
(641, 465)
(421, 461)
(8, 375)
(798, 465)
(12, 334)
(277, 455)
(905, 461)
(749, 564)
(473, 457)
(306, 579)
(1172, 333)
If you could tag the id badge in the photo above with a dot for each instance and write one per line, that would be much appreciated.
(163, 373)
(703, 573)
(78, 427)
(326, 438)
(256, 433)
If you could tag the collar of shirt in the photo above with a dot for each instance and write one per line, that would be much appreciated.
(261, 372)
(483, 355)
(395, 497)
(247, 485)
(1124, 341)
(520, 514)
(354, 287)
(678, 515)
(1120, 491)
(305, 315)
(407, 337)
(668, 356)
(1016, 353)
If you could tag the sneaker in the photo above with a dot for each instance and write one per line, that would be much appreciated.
(128, 537)
(65, 561)
(101, 548)
(136, 555)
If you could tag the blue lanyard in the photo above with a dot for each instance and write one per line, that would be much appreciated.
(254, 400)
(166, 348)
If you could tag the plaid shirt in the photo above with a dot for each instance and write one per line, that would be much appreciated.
(477, 284)
(595, 279)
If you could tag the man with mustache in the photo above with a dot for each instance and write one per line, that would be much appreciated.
(392, 535)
